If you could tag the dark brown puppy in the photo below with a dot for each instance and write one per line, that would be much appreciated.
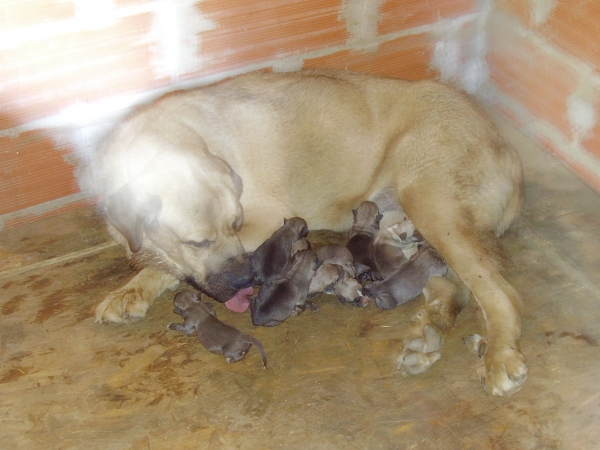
(408, 281)
(360, 242)
(284, 295)
(271, 257)
(216, 336)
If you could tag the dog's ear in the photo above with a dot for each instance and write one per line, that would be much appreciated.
(354, 212)
(128, 214)
(378, 218)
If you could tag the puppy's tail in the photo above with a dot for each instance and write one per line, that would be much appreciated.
(260, 348)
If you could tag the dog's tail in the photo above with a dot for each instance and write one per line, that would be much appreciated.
(260, 348)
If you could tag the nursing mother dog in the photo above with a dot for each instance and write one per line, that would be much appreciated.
(197, 178)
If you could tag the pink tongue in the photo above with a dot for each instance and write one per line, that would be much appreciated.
(239, 302)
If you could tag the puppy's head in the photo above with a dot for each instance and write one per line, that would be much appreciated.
(349, 291)
(180, 211)
(366, 218)
(297, 226)
(185, 300)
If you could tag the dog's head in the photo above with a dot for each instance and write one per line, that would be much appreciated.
(181, 211)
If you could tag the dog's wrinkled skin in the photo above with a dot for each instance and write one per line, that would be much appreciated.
(360, 240)
(408, 280)
(271, 257)
(185, 186)
(285, 295)
(216, 336)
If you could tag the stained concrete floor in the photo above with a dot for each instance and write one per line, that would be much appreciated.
(66, 382)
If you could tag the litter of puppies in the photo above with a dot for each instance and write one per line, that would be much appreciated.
(386, 266)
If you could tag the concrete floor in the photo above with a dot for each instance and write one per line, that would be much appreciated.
(66, 382)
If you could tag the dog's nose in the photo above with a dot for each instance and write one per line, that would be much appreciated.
(240, 275)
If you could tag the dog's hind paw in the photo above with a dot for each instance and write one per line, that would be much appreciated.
(503, 372)
(420, 352)
(416, 363)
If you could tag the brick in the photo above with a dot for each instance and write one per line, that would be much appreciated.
(526, 73)
(25, 13)
(39, 78)
(250, 31)
(398, 15)
(572, 25)
(407, 57)
(33, 171)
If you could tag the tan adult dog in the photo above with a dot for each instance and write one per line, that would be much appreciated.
(198, 177)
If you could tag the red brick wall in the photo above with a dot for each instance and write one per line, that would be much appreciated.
(66, 65)
(544, 59)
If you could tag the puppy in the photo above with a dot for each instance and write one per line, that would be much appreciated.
(337, 254)
(285, 295)
(407, 282)
(270, 258)
(216, 336)
(388, 253)
(360, 242)
(301, 244)
(333, 279)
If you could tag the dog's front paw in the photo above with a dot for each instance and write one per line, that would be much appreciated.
(420, 352)
(503, 372)
(122, 306)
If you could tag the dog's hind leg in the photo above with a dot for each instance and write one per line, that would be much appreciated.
(133, 300)
(463, 233)
(445, 297)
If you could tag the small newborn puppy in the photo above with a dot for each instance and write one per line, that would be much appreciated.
(388, 253)
(216, 336)
(285, 295)
(301, 244)
(408, 236)
(333, 279)
(270, 258)
(337, 254)
(360, 242)
(408, 281)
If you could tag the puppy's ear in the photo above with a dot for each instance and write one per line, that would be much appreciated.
(378, 218)
(354, 212)
(128, 214)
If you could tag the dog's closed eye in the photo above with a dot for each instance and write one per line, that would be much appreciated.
(202, 244)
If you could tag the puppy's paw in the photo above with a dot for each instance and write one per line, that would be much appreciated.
(477, 343)
(503, 372)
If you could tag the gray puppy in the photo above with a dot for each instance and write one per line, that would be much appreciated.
(407, 282)
(271, 257)
(337, 254)
(285, 295)
(216, 336)
(360, 242)
(333, 279)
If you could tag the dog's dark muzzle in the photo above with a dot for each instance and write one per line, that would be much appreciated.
(222, 284)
